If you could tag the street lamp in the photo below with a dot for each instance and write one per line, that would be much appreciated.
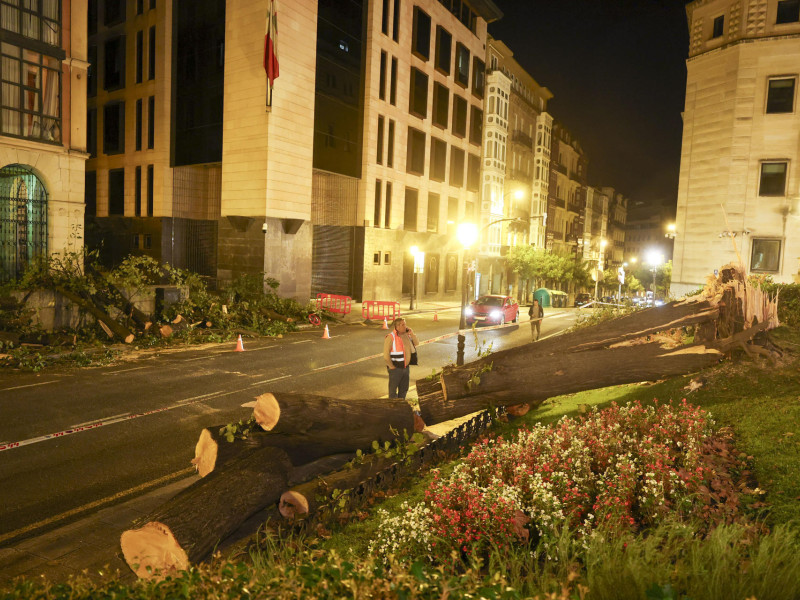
(671, 233)
(600, 260)
(467, 234)
(654, 259)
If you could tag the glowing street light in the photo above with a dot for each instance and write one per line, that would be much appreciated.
(654, 259)
(467, 234)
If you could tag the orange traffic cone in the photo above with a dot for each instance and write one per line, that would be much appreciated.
(239, 344)
(436, 315)
(385, 324)
(326, 335)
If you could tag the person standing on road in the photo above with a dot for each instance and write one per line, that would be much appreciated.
(536, 313)
(397, 349)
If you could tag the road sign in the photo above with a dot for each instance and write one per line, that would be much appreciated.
(621, 275)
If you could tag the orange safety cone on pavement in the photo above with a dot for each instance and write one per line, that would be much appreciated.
(385, 324)
(326, 335)
(239, 344)
(436, 315)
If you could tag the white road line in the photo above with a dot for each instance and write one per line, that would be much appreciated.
(19, 387)
(125, 370)
(302, 342)
(271, 380)
(99, 420)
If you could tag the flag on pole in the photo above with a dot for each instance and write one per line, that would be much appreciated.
(271, 47)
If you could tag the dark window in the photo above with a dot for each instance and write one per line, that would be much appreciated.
(385, 18)
(418, 96)
(139, 7)
(719, 24)
(377, 215)
(116, 192)
(476, 125)
(379, 153)
(387, 213)
(382, 78)
(765, 255)
(410, 210)
(91, 73)
(114, 128)
(396, 21)
(459, 116)
(393, 83)
(444, 50)
(139, 124)
(469, 210)
(788, 11)
(421, 34)
(137, 192)
(478, 77)
(152, 4)
(438, 171)
(456, 167)
(90, 193)
(390, 145)
(462, 65)
(452, 211)
(115, 63)
(773, 179)
(780, 95)
(433, 212)
(92, 16)
(114, 12)
(139, 55)
(151, 122)
(149, 190)
(441, 105)
(416, 152)
(151, 54)
(473, 173)
(91, 132)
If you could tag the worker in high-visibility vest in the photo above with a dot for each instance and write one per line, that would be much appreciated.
(399, 353)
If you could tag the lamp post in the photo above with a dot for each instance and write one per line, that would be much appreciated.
(467, 234)
(600, 258)
(419, 261)
(654, 259)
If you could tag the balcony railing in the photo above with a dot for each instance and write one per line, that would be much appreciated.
(520, 176)
(522, 138)
(557, 203)
(574, 207)
(560, 168)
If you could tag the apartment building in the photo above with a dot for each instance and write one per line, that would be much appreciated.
(615, 228)
(42, 130)
(397, 151)
(567, 195)
(595, 227)
(738, 186)
(192, 162)
(515, 167)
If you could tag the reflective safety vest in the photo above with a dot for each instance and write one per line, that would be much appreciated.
(398, 354)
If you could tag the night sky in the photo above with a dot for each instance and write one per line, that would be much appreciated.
(617, 72)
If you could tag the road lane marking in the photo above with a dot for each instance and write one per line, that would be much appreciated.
(97, 503)
(125, 370)
(19, 387)
(100, 420)
(271, 380)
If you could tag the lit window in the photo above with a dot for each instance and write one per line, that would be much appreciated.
(765, 255)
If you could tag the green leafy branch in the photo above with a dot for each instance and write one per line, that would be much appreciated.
(238, 431)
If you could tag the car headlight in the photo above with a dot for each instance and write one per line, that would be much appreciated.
(468, 311)
(496, 314)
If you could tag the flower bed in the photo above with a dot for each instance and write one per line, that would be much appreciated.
(624, 468)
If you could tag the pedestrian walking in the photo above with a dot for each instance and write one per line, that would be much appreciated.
(536, 313)
(398, 347)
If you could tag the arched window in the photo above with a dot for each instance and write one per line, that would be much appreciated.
(23, 220)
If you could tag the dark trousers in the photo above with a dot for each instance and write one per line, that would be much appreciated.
(398, 382)
(536, 328)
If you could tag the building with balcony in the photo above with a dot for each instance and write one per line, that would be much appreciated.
(595, 226)
(42, 131)
(397, 143)
(739, 175)
(567, 193)
(615, 228)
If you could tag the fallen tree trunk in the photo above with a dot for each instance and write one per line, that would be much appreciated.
(116, 328)
(308, 427)
(187, 527)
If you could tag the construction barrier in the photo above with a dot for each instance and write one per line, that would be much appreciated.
(334, 303)
(380, 309)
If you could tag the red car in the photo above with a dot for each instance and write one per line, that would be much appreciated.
(492, 310)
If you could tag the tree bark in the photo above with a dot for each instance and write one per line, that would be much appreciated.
(103, 317)
(187, 527)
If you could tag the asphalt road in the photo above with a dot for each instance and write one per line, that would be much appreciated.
(77, 441)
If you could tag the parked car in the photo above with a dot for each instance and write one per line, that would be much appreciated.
(492, 310)
(582, 298)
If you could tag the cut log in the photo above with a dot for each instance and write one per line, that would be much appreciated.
(304, 499)
(276, 316)
(308, 427)
(116, 328)
(187, 527)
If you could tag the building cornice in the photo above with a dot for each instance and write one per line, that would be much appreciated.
(754, 40)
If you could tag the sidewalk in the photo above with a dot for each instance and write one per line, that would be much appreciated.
(91, 544)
